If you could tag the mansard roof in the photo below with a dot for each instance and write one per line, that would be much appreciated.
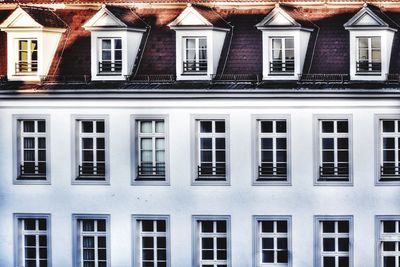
(41, 17)
(199, 15)
(328, 50)
(114, 17)
(370, 16)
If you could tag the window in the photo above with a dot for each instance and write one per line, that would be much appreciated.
(152, 247)
(32, 149)
(334, 241)
(33, 240)
(282, 55)
(390, 150)
(272, 241)
(195, 54)
(91, 150)
(91, 241)
(27, 56)
(111, 55)
(151, 149)
(369, 54)
(211, 151)
(272, 150)
(389, 241)
(212, 242)
(334, 150)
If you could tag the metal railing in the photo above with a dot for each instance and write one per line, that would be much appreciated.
(26, 67)
(211, 171)
(366, 66)
(32, 171)
(323, 78)
(333, 173)
(152, 78)
(146, 170)
(194, 66)
(281, 67)
(390, 173)
(91, 171)
(110, 66)
(272, 173)
(72, 79)
(235, 78)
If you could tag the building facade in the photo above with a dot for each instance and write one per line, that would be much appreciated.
(204, 134)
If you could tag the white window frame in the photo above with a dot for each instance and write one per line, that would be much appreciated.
(137, 234)
(381, 237)
(29, 61)
(76, 144)
(135, 153)
(196, 149)
(257, 219)
(17, 144)
(77, 236)
(112, 51)
(256, 119)
(379, 148)
(369, 38)
(19, 233)
(197, 52)
(196, 235)
(283, 51)
(318, 148)
(318, 237)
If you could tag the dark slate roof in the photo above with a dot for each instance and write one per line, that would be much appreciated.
(328, 49)
(127, 16)
(211, 15)
(44, 17)
(383, 16)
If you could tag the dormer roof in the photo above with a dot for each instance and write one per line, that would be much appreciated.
(283, 16)
(370, 16)
(33, 17)
(195, 15)
(115, 17)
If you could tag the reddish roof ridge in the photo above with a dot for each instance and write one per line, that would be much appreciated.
(51, 19)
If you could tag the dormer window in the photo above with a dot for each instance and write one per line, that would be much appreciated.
(111, 56)
(195, 58)
(371, 40)
(282, 55)
(285, 43)
(369, 55)
(27, 56)
(200, 36)
(116, 35)
(33, 36)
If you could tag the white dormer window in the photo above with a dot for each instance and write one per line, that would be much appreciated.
(200, 36)
(116, 34)
(282, 55)
(27, 56)
(195, 55)
(285, 43)
(31, 42)
(371, 40)
(111, 56)
(369, 55)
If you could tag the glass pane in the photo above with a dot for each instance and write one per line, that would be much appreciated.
(328, 226)
(327, 126)
(363, 42)
(282, 226)
(219, 126)
(190, 44)
(118, 44)
(106, 55)
(389, 261)
(23, 44)
(282, 243)
(202, 43)
(329, 262)
(220, 143)
(221, 226)
(30, 224)
(343, 226)
(106, 44)
(160, 144)
(267, 227)
(277, 44)
(118, 55)
(289, 43)
(146, 126)
(389, 226)
(87, 126)
(207, 243)
(146, 144)
(29, 126)
(342, 127)
(282, 256)
(100, 126)
(29, 142)
(267, 256)
(376, 56)
(266, 127)
(161, 226)
(328, 244)
(389, 246)
(205, 126)
(147, 226)
(88, 225)
(281, 126)
(101, 225)
(207, 227)
(343, 244)
(41, 126)
(376, 42)
(388, 126)
(159, 126)
(343, 261)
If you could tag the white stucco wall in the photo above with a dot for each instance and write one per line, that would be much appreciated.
(180, 200)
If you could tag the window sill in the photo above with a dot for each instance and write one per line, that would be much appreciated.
(194, 74)
(91, 180)
(109, 74)
(211, 180)
(368, 74)
(29, 181)
(150, 181)
(333, 182)
(388, 181)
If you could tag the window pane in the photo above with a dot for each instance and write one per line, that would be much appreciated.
(389, 226)
(327, 126)
(388, 126)
(106, 43)
(220, 126)
(266, 126)
(159, 126)
(118, 43)
(29, 126)
(205, 126)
